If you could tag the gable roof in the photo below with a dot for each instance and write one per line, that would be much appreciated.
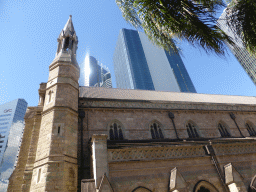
(161, 96)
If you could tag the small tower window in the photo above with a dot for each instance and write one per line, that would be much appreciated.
(66, 43)
(156, 131)
(58, 130)
(50, 96)
(39, 175)
(115, 132)
(191, 129)
(223, 130)
(250, 129)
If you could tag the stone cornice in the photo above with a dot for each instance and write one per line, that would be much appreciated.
(57, 63)
(235, 148)
(104, 103)
(176, 152)
(155, 153)
(58, 108)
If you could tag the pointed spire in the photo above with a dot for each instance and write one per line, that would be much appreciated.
(68, 29)
(67, 42)
(69, 25)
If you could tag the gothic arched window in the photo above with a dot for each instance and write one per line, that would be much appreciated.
(156, 131)
(191, 129)
(250, 129)
(223, 130)
(115, 132)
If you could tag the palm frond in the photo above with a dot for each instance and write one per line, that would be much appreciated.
(166, 20)
(241, 18)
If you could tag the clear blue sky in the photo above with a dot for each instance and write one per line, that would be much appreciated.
(29, 31)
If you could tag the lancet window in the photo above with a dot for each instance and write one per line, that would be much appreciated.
(115, 132)
(250, 129)
(223, 130)
(50, 96)
(191, 129)
(156, 131)
(39, 175)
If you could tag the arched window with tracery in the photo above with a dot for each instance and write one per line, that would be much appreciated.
(115, 131)
(191, 129)
(250, 129)
(156, 131)
(223, 130)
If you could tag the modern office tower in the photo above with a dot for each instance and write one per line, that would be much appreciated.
(106, 82)
(99, 76)
(141, 65)
(247, 60)
(11, 130)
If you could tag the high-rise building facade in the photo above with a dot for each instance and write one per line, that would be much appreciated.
(99, 76)
(247, 60)
(11, 130)
(141, 65)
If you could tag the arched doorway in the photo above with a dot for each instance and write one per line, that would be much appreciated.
(204, 186)
(203, 189)
(141, 189)
(252, 187)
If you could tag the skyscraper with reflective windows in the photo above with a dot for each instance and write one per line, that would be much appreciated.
(99, 76)
(247, 60)
(139, 64)
(11, 130)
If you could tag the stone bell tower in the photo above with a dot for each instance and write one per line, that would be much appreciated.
(55, 167)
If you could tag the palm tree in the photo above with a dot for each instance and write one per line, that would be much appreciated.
(164, 21)
(192, 20)
(241, 18)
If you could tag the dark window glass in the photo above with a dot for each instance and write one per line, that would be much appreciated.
(156, 131)
(115, 132)
(250, 129)
(223, 130)
(121, 137)
(192, 132)
(111, 134)
(152, 133)
(161, 133)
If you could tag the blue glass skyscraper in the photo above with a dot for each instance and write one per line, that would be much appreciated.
(139, 64)
(11, 130)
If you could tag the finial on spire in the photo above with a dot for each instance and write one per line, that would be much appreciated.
(69, 28)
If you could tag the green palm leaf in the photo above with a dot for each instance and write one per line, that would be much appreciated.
(241, 18)
(166, 20)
